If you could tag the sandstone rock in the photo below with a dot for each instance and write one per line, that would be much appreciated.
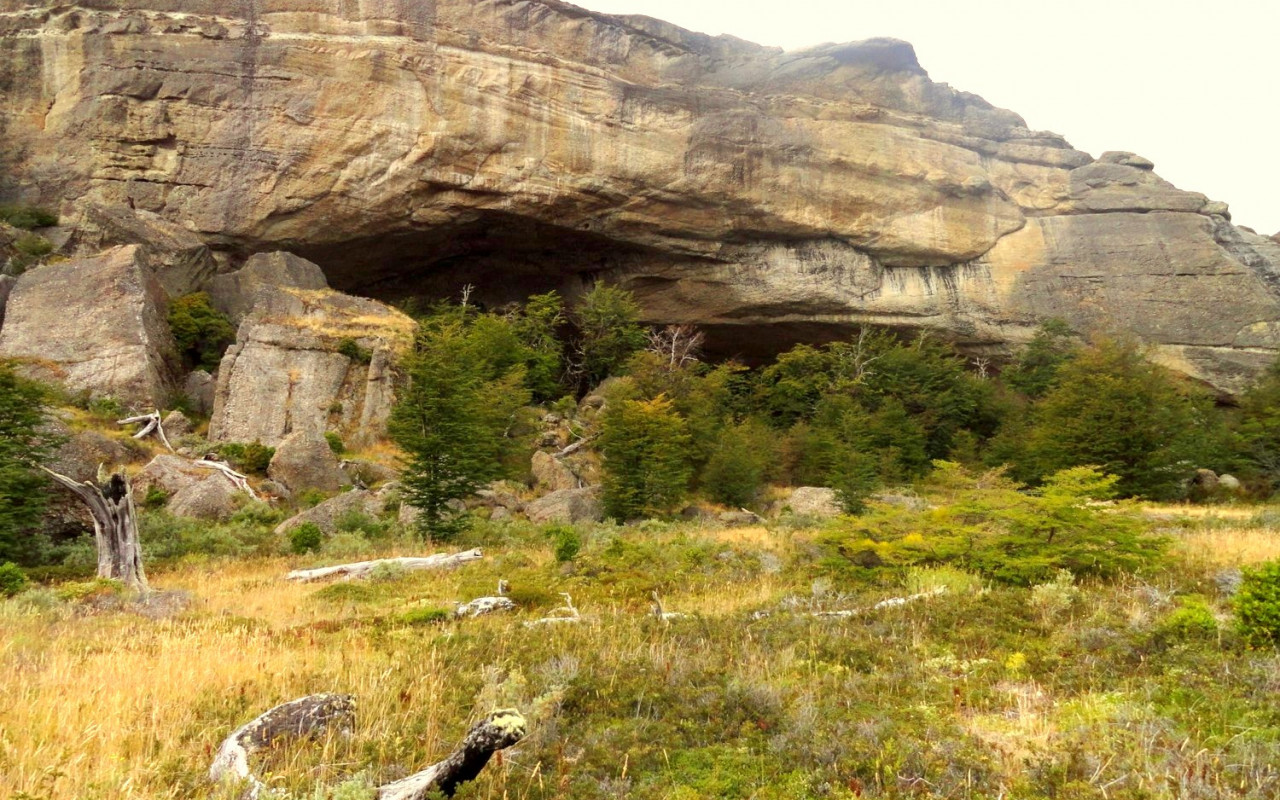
(368, 473)
(285, 372)
(94, 324)
(813, 501)
(175, 423)
(567, 505)
(236, 293)
(1205, 480)
(550, 474)
(326, 515)
(84, 451)
(769, 195)
(199, 388)
(305, 461)
(181, 260)
(170, 474)
(213, 498)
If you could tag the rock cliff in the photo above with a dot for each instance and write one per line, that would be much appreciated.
(410, 146)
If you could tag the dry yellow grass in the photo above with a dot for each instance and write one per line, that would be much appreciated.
(1231, 546)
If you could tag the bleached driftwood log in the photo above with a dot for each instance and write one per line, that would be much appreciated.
(486, 605)
(565, 613)
(238, 480)
(361, 569)
(151, 423)
(115, 527)
(660, 611)
(498, 731)
(316, 714)
(308, 716)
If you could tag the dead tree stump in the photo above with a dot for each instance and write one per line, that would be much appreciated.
(115, 527)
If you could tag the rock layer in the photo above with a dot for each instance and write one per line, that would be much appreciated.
(410, 147)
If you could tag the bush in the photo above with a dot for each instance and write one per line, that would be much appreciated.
(1193, 619)
(155, 498)
(27, 217)
(252, 458)
(646, 458)
(1257, 605)
(25, 443)
(352, 350)
(425, 616)
(335, 442)
(33, 246)
(738, 464)
(567, 542)
(12, 579)
(202, 332)
(306, 538)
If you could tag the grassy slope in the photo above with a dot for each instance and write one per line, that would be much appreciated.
(968, 694)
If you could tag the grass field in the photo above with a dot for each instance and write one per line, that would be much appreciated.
(1095, 690)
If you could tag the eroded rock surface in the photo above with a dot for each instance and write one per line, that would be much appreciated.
(94, 324)
(412, 147)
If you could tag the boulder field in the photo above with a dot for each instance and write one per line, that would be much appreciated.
(411, 147)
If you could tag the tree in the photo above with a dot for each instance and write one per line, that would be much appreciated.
(451, 420)
(1036, 370)
(608, 332)
(739, 463)
(201, 331)
(24, 444)
(645, 446)
(1113, 409)
(537, 327)
(1257, 432)
(115, 527)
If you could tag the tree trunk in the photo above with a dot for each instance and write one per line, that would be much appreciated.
(115, 528)
(362, 569)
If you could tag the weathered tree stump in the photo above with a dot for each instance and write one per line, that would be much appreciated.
(115, 527)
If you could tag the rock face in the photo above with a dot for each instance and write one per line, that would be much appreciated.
(94, 324)
(287, 373)
(567, 505)
(237, 293)
(181, 260)
(412, 147)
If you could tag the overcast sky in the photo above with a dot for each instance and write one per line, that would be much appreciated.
(1191, 84)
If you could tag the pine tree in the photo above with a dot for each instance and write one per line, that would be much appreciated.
(608, 332)
(24, 445)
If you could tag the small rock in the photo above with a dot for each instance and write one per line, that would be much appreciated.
(368, 473)
(170, 474)
(1216, 208)
(1229, 482)
(303, 461)
(1205, 479)
(276, 489)
(567, 505)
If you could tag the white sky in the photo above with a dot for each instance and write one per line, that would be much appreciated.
(1194, 86)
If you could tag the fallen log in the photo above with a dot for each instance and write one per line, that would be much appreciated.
(565, 613)
(314, 715)
(238, 480)
(307, 717)
(362, 569)
(152, 423)
(498, 731)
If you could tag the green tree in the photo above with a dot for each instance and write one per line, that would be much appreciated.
(24, 445)
(608, 333)
(537, 326)
(1113, 409)
(739, 463)
(202, 332)
(451, 420)
(1257, 429)
(1036, 370)
(645, 446)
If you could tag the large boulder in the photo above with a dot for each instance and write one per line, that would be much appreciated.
(96, 325)
(169, 474)
(296, 366)
(327, 514)
(182, 261)
(236, 293)
(82, 452)
(213, 498)
(305, 461)
(814, 501)
(550, 474)
(567, 505)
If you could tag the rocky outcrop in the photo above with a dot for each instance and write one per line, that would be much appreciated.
(297, 366)
(95, 325)
(181, 260)
(213, 498)
(237, 293)
(567, 505)
(550, 474)
(327, 514)
(409, 148)
(814, 501)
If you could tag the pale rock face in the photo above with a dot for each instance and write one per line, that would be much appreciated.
(550, 474)
(95, 324)
(814, 501)
(284, 374)
(237, 293)
(567, 505)
(213, 498)
(181, 260)
(304, 461)
(412, 147)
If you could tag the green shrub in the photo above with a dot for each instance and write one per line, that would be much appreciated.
(306, 538)
(738, 464)
(335, 442)
(425, 616)
(1257, 605)
(352, 350)
(1192, 619)
(155, 498)
(104, 408)
(27, 217)
(202, 332)
(645, 444)
(567, 542)
(33, 245)
(12, 579)
(253, 458)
